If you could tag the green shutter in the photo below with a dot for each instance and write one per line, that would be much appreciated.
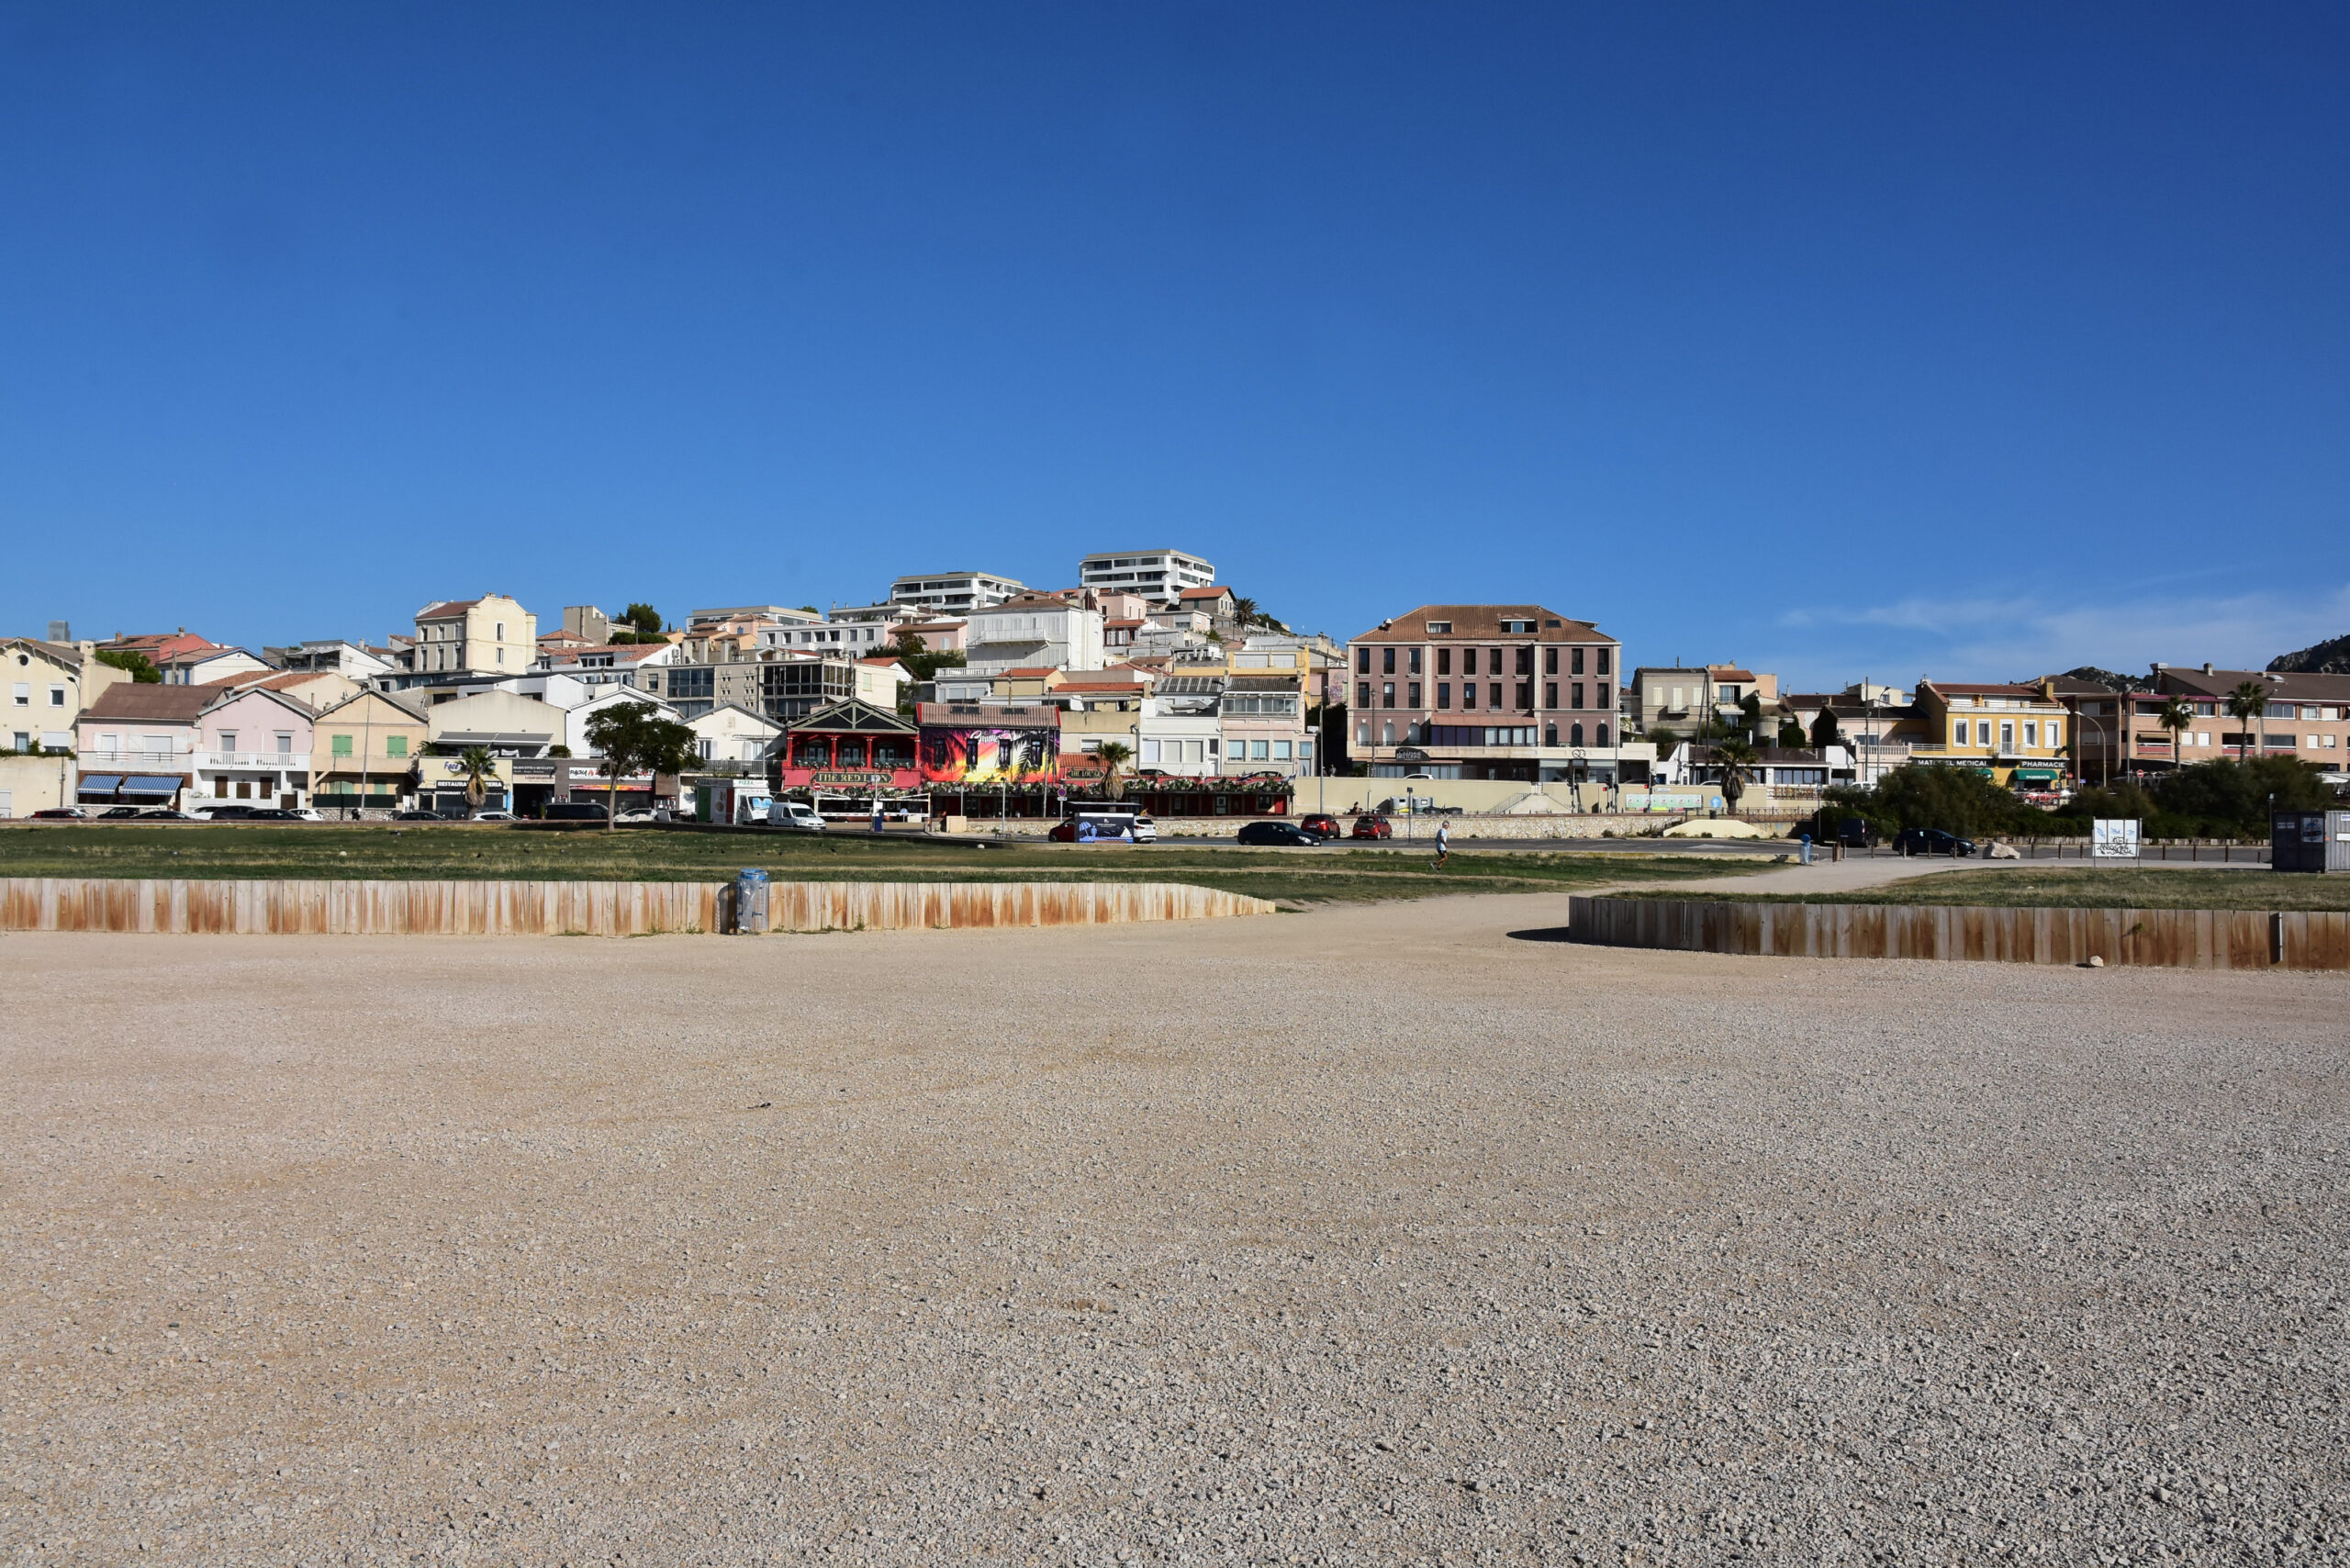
(343, 745)
(396, 745)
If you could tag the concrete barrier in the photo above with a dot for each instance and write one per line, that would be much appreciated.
(2179, 938)
(584, 908)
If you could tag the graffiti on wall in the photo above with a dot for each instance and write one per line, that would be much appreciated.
(989, 757)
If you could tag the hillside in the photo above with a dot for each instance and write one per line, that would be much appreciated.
(2330, 658)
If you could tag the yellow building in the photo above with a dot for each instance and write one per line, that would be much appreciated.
(361, 751)
(489, 635)
(2017, 733)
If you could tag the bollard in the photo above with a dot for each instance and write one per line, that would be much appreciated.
(1807, 849)
(751, 901)
(2276, 938)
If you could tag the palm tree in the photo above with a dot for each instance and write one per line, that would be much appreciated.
(480, 770)
(2175, 717)
(2245, 703)
(1737, 757)
(1114, 755)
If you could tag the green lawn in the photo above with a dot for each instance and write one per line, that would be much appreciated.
(588, 853)
(2092, 887)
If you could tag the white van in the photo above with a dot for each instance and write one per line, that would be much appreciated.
(797, 815)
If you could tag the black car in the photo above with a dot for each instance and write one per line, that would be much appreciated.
(119, 813)
(61, 813)
(1931, 841)
(274, 815)
(160, 814)
(1284, 835)
(1852, 833)
(415, 816)
(228, 813)
(573, 811)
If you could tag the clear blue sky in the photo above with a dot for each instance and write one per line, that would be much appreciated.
(1963, 340)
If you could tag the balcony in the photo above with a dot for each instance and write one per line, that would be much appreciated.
(138, 761)
(276, 761)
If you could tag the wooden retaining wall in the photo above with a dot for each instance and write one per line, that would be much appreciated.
(2182, 938)
(591, 909)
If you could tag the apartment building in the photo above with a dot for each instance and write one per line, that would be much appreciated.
(1679, 695)
(1032, 630)
(2016, 733)
(2306, 716)
(954, 593)
(362, 750)
(489, 635)
(1509, 691)
(1160, 575)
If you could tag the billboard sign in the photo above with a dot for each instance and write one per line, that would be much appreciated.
(2113, 839)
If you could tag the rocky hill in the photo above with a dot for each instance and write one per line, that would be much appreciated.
(2330, 657)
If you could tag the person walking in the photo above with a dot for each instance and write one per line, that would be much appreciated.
(877, 813)
(1443, 844)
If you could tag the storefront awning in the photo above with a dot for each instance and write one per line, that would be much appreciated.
(151, 785)
(100, 786)
(2035, 774)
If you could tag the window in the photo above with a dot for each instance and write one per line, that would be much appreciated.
(57, 697)
(1551, 692)
(2006, 735)
(395, 745)
(1599, 731)
(1415, 662)
(1550, 661)
(1387, 661)
(228, 740)
(1444, 694)
(501, 631)
(1493, 693)
(1281, 751)
(2309, 710)
(1494, 665)
(1362, 732)
(1363, 661)
(1574, 694)
(1550, 735)
(2206, 709)
(1525, 661)
(1444, 661)
(1259, 751)
(1413, 695)
(1574, 662)
(1574, 734)
(1387, 694)
(1981, 731)
(24, 694)
(1602, 670)
(1958, 732)
(1151, 751)
(1514, 628)
(2280, 711)
(1439, 628)
(339, 746)
(1525, 693)
(1362, 689)
(2032, 731)
(1387, 734)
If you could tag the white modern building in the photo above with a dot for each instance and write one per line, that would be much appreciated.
(956, 593)
(1156, 575)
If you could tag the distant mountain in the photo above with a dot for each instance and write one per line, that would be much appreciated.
(2104, 677)
(2327, 658)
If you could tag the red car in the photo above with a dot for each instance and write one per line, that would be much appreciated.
(1322, 823)
(1373, 825)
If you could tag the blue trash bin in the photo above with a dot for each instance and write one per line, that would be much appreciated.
(751, 901)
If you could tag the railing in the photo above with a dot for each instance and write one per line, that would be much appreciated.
(133, 761)
(285, 761)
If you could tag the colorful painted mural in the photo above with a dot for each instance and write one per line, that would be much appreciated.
(989, 757)
(883, 762)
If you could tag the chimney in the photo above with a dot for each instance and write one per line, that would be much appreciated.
(2207, 667)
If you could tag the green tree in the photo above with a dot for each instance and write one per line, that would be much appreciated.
(632, 737)
(2247, 702)
(480, 770)
(644, 618)
(1790, 733)
(1824, 729)
(1114, 755)
(2234, 797)
(910, 650)
(1749, 708)
(142, 669)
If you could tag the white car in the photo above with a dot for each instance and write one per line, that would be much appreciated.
(308, 815)
(797, 816)
(493, 817)
(641, 815)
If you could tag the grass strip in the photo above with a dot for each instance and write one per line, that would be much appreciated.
(2087, 887)
(495, 852)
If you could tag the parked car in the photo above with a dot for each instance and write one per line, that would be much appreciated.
(1322, 824)
(1931, 841)
(797, 816)
(572, 811)
(119, 813)
(1279, 836)
(412, 816)
(495, 816)
(61, 813)
(1108, 823)
(1373, 825)
(225, 813)
(1852, 833)
(280, 814)
(635, 814)
(165, 814)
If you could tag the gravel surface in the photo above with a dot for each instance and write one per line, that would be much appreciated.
(1368, 1236)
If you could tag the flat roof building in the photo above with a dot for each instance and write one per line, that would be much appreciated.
(1160, 575)
(958, 593)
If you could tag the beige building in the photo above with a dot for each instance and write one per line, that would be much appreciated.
(48, 684)
(361, 751)
(489, 635)
(2307, 716)
(507, 723)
